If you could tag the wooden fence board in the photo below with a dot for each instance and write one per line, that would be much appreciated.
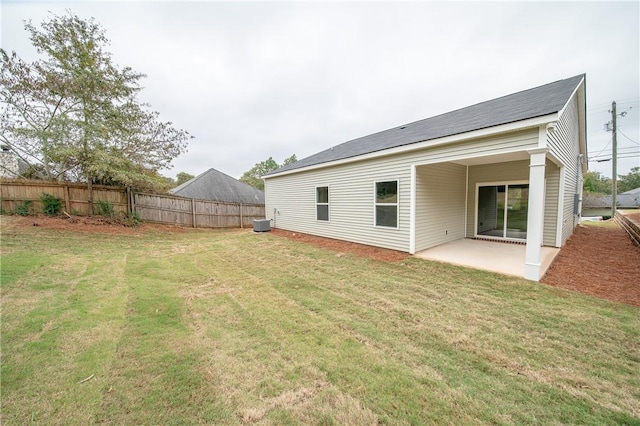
(168, 209)
(196, 213)
(74, 196)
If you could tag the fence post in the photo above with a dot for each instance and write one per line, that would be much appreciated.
(193, 211)
(128, 195)
(241, 219)
(67, 201)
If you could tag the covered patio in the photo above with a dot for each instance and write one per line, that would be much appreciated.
(501, 257)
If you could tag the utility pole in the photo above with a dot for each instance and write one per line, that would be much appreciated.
(614, 160)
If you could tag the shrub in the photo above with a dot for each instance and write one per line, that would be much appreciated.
(105, 208)
(51, 205)
(24, 208)
(133, 219)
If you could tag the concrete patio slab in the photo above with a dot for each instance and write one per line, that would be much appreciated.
(495, 256)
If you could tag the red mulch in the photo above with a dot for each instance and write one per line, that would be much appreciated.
(94, 224)
(376, 253)
(601, 262)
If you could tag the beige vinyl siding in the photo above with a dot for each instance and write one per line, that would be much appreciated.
(500, 172)
(351, 203)
(552, 182)
(563, 144)
(440, 192)
(351, 190)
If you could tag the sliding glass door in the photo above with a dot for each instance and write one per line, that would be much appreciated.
(502, 211)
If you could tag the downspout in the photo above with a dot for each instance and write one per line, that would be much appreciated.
(577, 207)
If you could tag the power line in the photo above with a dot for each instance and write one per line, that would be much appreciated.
(605, 147)
(630, 153)
(627, 137)
(606, 106)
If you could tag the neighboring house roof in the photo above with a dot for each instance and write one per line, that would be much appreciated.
(634, 192)
(217, 186)
(628, 199)
(537, 102)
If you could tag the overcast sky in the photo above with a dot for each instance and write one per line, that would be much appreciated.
(260, 79)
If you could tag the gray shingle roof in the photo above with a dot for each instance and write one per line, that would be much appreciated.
(536, 102)
(217, 186)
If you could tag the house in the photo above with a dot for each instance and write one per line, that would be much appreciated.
(629, 199)
(509, 169)
(624, 200)
(216, 186)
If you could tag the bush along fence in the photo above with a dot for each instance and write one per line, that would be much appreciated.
(54, 198)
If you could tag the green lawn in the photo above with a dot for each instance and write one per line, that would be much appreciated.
(232, 327)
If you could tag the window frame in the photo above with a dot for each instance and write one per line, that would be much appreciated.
(376, 204)
(328, 203)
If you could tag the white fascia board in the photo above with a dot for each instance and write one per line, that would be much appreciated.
(578, 86)
(475, 134)
(579, 91)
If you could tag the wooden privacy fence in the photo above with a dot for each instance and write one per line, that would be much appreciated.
(149, 207)
(195, 213)
(74, 196)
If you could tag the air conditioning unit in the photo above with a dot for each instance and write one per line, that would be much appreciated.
(261, 225)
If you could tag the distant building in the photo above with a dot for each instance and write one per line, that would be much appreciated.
(629, 199)
(216, 186)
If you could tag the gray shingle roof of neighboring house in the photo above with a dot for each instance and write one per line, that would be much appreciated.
(532, 103)
(624, 199)
(217, 186)
(632, 192)
(629, 198)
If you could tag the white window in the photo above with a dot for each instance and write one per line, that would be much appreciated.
(322, 203)
(386, 204)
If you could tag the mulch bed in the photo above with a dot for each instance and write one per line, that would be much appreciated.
(376, 253)
(93, 225)
(601, 262)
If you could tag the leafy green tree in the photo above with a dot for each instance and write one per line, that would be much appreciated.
(75, 114)
(183, 177)
(596, 183)
(254, 175)
(629, 181)
(289, 160)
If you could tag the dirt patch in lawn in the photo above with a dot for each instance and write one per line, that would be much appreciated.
(376, 253)
(94, 224)
(600, 261)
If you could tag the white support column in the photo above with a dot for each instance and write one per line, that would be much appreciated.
(535, 214)
(412, 212)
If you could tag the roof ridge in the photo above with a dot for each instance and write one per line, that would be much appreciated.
(525, 104)
(402, 126)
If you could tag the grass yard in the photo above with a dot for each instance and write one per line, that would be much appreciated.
(232, 327)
